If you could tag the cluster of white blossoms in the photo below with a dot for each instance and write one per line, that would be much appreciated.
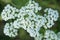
(51, 16)
(27, 19)
(9, 30)
(48, 35)
(9, 12)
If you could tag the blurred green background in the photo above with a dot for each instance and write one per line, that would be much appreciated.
(22, 34)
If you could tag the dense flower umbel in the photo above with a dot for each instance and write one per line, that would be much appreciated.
(27, 19)
(10, 30)
(51, 17)
(30, 23)
(9, 12)
(50, 35)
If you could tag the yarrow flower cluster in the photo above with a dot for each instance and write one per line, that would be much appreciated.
(51, 17)
(10, 30)
(27, 18)
(48, 35)
(9, 12)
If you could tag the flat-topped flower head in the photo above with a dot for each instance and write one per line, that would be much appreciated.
(50, 35)
(9, 12)
(28, 19)
(9, 30)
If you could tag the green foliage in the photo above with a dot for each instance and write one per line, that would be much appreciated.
(24, 35)
(42, 31)
(19, 3)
